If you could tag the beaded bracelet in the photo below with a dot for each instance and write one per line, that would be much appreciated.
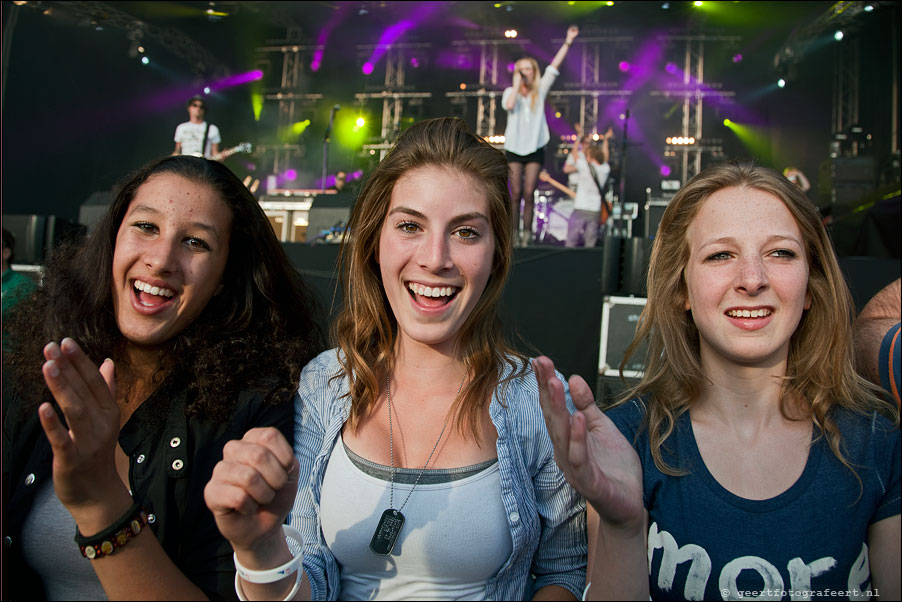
(113, 537)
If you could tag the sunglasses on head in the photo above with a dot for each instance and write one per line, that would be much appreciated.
(198, 104)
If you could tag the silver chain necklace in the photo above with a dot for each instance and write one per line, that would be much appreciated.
(392, 520)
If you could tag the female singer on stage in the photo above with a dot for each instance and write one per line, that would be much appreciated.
(421, 468)
(750, 460)
(526, 134)
(205, 326)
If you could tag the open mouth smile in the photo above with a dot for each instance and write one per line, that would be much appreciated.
(432, 296)
(150, 296)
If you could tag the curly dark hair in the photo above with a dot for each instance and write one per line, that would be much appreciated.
(256, 334)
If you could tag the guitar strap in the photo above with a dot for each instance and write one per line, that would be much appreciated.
(598, 185)
(203, 145)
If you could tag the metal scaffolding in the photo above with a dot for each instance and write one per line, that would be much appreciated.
(395, 93)
(293, 104)
(693, 89)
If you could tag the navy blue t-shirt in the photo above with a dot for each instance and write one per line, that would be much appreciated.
(809, 542)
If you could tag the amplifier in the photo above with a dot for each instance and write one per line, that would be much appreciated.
(619, 317)
(654, 210)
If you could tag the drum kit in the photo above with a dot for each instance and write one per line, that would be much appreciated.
(552, 212)
(550, 215)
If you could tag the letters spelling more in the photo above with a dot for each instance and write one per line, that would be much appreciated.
(800, 573)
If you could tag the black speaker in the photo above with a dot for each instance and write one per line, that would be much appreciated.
(29, 232)
(654, 209)
(333, 200)
(609, 389)
(636, 255)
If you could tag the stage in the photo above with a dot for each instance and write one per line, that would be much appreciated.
(554, 297)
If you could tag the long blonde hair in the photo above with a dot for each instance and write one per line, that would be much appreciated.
(365, 330)
(820, 370)
(533, 86)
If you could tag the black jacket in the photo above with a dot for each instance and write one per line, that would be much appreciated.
(171, 460)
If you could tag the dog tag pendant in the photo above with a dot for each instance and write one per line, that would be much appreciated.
(387, 532)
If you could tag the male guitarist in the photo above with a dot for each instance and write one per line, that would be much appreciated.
(196, 136)
(590, 209)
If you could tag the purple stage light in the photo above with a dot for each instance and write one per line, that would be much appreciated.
(414, 62)
(237, 80)
(665, 171)
(737, 58)
(422, 12)
(367, 68)
(623, 66)
(449, 59)
(670, 68)
(291, 174)
(510, 67)
(323, 36)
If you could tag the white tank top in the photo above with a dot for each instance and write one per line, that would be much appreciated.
(454, 539)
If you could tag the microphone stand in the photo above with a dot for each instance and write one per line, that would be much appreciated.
(327, 138)
(623, 147)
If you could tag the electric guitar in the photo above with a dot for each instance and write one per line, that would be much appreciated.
(244, 147)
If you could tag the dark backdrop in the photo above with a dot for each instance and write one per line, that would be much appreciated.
(79, 113)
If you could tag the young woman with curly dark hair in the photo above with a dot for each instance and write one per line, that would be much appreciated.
(200, 325)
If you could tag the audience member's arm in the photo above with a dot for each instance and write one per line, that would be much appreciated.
(880, 314)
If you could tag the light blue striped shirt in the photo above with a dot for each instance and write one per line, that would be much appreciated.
(546, 517)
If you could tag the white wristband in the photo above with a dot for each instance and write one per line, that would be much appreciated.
(278, 573)
(291, 594)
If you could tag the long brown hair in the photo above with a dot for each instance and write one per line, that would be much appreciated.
(366, 329)
(533, 86)
(819, 371)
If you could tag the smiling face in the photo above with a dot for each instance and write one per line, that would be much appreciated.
(197, 110)
(171, 251)
(435, 254)
(746, 277)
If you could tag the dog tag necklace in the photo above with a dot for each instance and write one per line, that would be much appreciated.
(392, 520)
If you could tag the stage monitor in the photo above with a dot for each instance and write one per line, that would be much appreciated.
(328, 217)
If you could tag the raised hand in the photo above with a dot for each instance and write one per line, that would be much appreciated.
(84, 465)
(594, 456)
(253, 488)
(572, 32)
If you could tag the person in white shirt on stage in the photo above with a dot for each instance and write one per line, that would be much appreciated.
(196, 136)
(527, 133)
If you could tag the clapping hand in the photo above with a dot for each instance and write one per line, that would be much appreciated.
(253, 488)
(84, 467)
(595, 457)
